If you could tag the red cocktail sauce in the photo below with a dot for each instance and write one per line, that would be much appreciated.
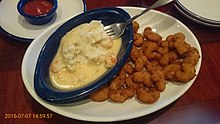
(37, 7)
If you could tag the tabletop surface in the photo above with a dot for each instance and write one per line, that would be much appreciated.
(199, 105)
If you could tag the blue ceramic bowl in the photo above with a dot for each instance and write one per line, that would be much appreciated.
(39, 19)
(42, 81)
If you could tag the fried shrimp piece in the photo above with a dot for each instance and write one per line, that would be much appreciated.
(150, 35)
(149, 45)
(134, 53)
(170, 71)
(186, 73)
(122, 74)
(156, 72)
(118, 96)
(145, 60)
(128, 68)
(100, 94)
(147, 79)
(170, 40)
(138, 77)
(135, 26)
(140, 53)
(164, 48)
(116, 83)
(179, 43)
(168, 58)
(160, 85)
(192, 57)
(149, 96)
(139, 64)
(149, 48)
(157, 75)
(121, 95)
(130, 92)
(131, 84)
(138, 39)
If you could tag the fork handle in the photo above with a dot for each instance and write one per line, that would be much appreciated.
(155, 5)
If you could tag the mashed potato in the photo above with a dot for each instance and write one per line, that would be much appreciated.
(84, 54)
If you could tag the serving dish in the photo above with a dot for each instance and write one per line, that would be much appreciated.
(42, 83)
(100, 112)
(25, 32)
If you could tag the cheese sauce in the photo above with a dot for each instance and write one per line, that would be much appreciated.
(83, 74)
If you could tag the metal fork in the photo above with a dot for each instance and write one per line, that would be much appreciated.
(115, 30)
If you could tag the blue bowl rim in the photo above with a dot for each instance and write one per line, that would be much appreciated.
(41, 87)
(20, 9)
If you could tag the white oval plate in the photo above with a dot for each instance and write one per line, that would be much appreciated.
(196, 20)
(108, 111)
(204, 10)
(14, 25)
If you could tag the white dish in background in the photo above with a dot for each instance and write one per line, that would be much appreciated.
(196, 20)
(203, 10)
(14, 25)
(108, 111)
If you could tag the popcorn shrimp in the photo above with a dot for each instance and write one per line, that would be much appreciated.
(128, 68)
(139, 64)
(131, 84)
(164, 48)
(179, 43)
(150, 35)
(116, 83)
(100, 94)
(135, 26)
(148, 95)
(134, 53)
(121, 95)
(186, 73)
(138, 39)
(192, 57)
(160, 85)
(170, 71)
(167, 58)
(138, 77)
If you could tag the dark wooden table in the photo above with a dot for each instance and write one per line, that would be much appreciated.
(199, 105)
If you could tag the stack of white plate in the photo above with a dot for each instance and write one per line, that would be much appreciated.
(204, 12)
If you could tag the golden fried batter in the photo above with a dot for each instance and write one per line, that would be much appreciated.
(100, 94)
(138, 40)
(128, 68)
(121, 95)
(148, 95)
(192, 57)
(116, 83)
(186, 73)
(139, 64)
(135, 26)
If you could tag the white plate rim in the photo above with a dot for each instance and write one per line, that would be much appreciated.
(190, 12)
(27, 39)
(98, 119)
